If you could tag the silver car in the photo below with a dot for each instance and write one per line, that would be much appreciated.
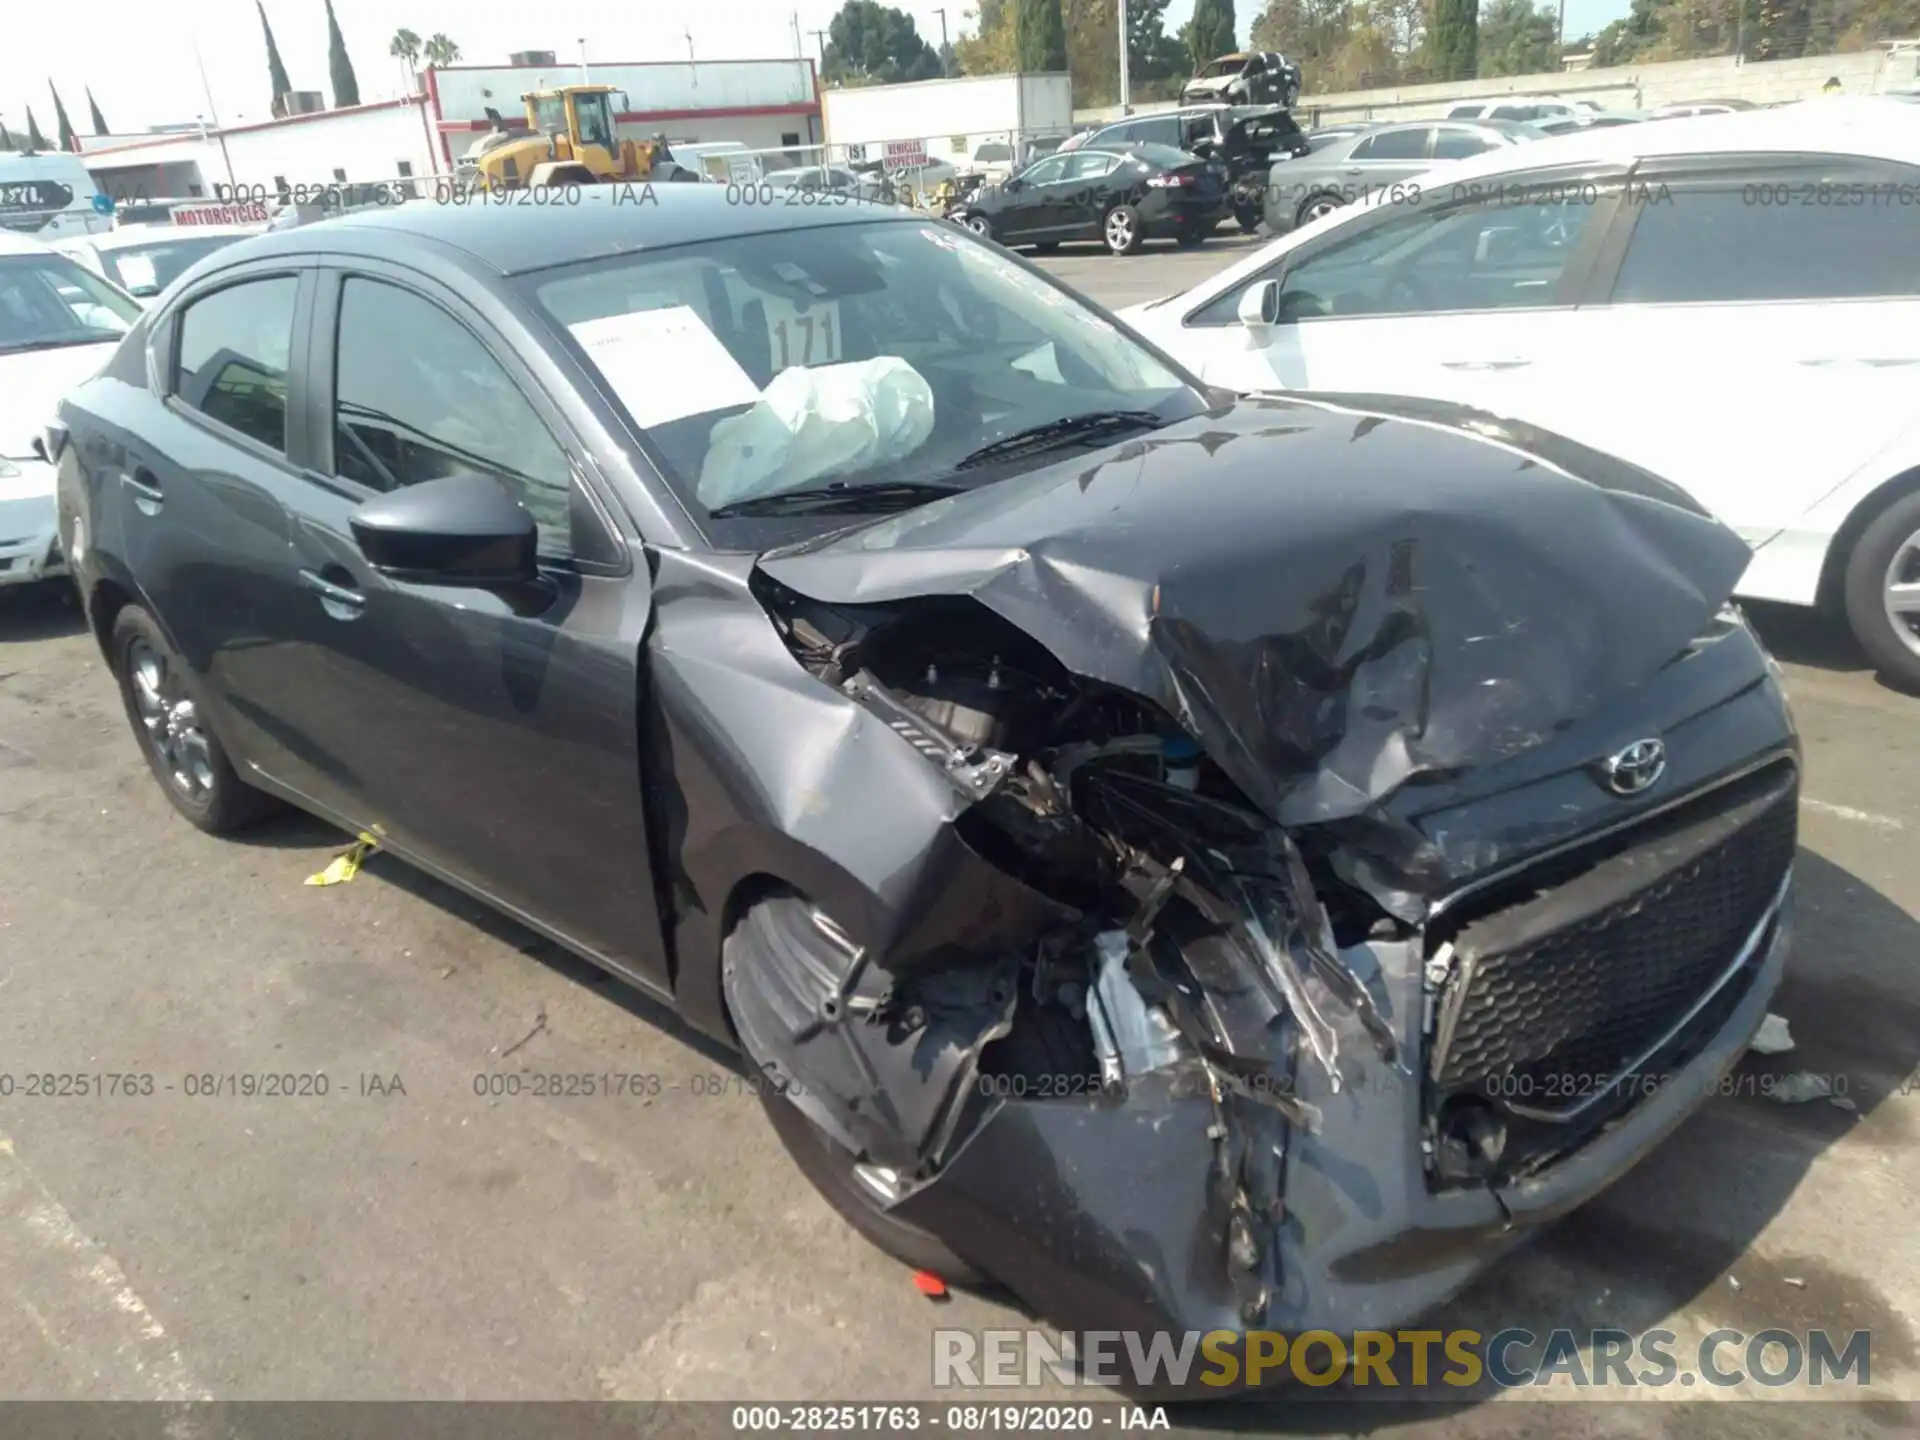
(1356, 166)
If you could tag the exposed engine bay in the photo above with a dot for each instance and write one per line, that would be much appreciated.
(1201, 1037)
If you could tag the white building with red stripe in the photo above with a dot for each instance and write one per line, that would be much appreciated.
(762, 104)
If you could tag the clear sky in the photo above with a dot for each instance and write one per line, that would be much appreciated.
(139, 60)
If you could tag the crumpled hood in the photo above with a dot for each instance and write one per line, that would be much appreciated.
(1328, 598)
(31, 385)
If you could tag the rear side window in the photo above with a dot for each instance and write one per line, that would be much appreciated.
(234, 349)
(1723, 245)
(418, 397)
(1459, 144)
(1394, 145)
(1161, 132)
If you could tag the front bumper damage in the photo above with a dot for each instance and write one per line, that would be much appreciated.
(1267, 821)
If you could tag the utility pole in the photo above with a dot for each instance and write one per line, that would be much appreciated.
(688, 32)
(799, 49)
(1125, 107)
(820, 39)
(583, 60)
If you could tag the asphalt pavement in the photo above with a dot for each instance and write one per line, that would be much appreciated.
(413, 1233)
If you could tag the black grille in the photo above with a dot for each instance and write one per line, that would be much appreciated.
(1554, 997)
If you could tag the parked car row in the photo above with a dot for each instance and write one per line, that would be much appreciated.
(1097, 809)
(1731, 301)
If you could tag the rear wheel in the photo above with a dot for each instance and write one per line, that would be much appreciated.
(180, 747)
(1121, 230)
(1314, 206)
(1883, 592)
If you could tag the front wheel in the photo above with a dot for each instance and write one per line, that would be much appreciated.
(1315, 206)
(1883, 592)
(1122, 231)
(977, 223)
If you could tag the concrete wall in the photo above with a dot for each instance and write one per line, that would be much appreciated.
(1624, 87)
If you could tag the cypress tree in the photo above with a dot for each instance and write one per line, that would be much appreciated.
(35, 140)
(1456, 39)
(346, 89)
(99, 120)
(1039, 36)
(276, 72)
(63, 127)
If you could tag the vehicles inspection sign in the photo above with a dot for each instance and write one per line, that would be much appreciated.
(904, 155)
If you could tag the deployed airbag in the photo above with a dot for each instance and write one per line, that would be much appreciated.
(814, 422)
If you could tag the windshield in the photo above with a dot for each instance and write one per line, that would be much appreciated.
(48, 301)
(149, 269)
(1226, 65)
(596, 122)
(874, 353)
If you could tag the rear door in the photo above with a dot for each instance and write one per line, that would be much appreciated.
(1087, 187)
(494, 736)
(1760, 340)
(1384, 159)
(1037, 208)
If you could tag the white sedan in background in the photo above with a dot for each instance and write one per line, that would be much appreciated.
(1729, 301)
(59, 323)
(144, 259)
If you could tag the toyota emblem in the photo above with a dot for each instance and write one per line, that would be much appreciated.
(1636, 768)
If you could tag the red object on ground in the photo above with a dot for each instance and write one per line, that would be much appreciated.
(929, 1284)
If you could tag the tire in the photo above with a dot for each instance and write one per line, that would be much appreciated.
(1122, 231)
(186, 758)
(1314, 206)
(976, 222)
(767, 926)
(1887, 551)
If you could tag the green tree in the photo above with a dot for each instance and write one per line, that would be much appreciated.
(6, 140)
(1210, 33)
(346, 89)
(405, 47)
(1517, 38)
(276, 72)
(1039, 36)
(35, 140)
(440, 50)
(1455, 42)
(1155, 59)
(99, 120)
(989, 49)
(873, 44)
(62, 125)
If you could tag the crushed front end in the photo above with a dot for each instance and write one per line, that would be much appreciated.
(1241, 1044)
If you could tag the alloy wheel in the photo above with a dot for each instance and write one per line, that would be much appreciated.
(1900, 592)
(171, 723)
(1325, 205)
(978, 225)
(1119, 230)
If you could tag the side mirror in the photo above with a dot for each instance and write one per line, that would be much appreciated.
(1260, 306)
(460, 530)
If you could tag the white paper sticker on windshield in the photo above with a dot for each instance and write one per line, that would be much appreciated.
(665, 364)
(137, 272)
(803, 337)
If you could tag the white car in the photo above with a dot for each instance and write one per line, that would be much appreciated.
(1515, 107)
(144, 259)
(59, 323)
(1731, 302)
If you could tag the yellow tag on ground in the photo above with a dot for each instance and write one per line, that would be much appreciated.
(344, 866)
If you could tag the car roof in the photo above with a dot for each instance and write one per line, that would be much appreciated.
(596, 221)
(12, 244)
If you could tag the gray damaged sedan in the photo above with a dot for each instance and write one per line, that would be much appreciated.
(1196, 863)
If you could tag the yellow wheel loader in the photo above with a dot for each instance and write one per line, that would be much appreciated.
(570, 140)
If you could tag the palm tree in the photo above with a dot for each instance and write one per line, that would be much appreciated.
(405, 47)
(440, 50)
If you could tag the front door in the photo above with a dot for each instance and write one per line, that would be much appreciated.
(493, 736)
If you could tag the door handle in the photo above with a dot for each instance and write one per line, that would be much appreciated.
(337, 600)
(145, 485)
(1484, 364)
(1355, 170)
